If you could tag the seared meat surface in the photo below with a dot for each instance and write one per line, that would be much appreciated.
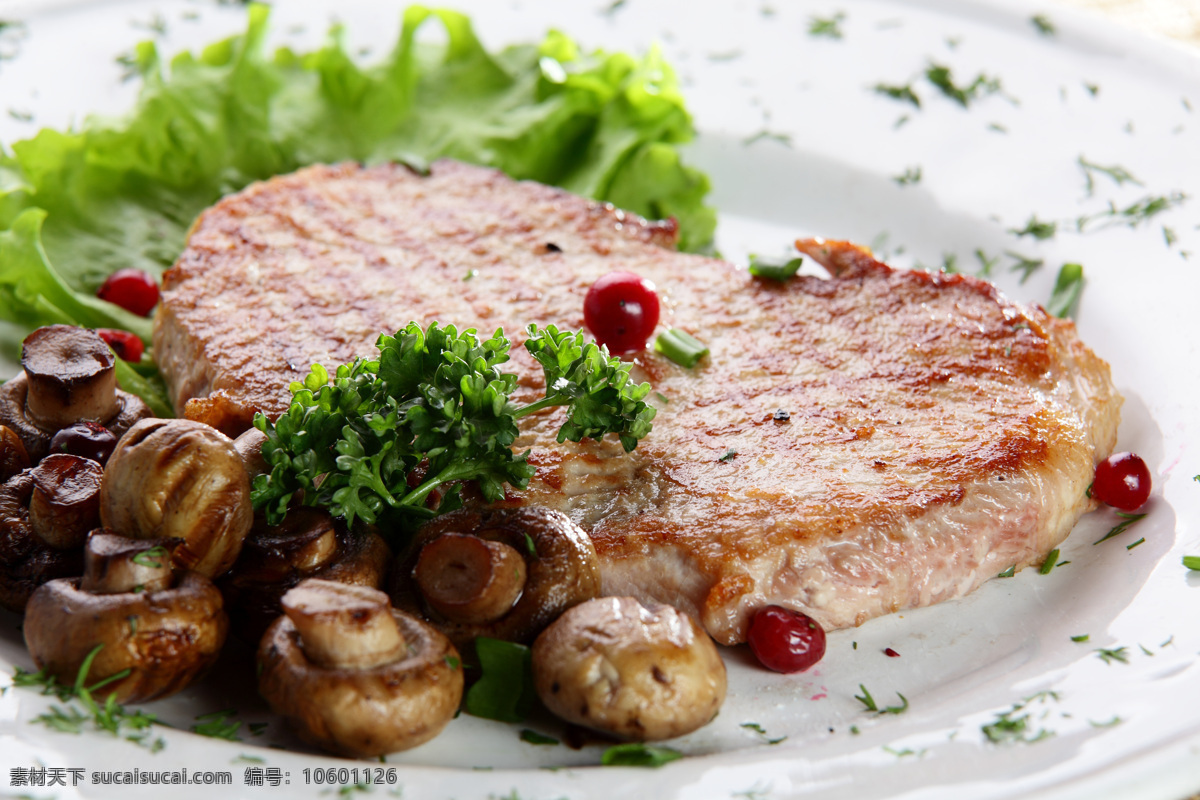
(934, 433)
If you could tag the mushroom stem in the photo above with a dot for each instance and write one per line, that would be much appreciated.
(468, 579)
(344, 626)
(116, 564)
(71, 377)
(66, 499)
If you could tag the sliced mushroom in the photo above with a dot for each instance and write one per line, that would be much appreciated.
(461, 572)
(13, 457)
(355, 677)
(180, 479)
(69, 377)
(166, 638)
(26, 560)
(309, 543)
(65, 504)
(636, 672)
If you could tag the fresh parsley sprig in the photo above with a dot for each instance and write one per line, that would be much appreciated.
(382, 439)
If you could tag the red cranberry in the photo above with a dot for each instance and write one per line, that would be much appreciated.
(785, 640)
(127, 346)
(621, 310)
(131, 289)
(1122, 481)
(86, 440)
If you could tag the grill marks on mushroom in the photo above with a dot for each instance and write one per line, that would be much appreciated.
(354, 676)
(180, 479)
(69, 376)
(472, 588)
(165, 637)
(637, 672)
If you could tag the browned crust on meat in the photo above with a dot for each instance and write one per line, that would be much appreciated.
(938, 432)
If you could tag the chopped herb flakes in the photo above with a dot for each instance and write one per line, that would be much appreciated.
(1008, 573)
(867, 700)
(107, 716)
(1083, 637)
(1132, 215)
(904, 93)
(1127, 521)
(1022, 264)
(942, 77)
(635, 754)
(829, 27)
(1037, 229)
(1049, 562)
(730, 455)
(756, 728)
(218, 725)
(1109, 655)
(910, 176)
(1008, 727)
(1043, 24)
(1192, 562)
(782, 138)
(1119, 174)
(1135, 544)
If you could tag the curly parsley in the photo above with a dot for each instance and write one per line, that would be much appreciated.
(434, 407)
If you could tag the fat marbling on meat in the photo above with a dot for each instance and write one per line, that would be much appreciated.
(936, 433)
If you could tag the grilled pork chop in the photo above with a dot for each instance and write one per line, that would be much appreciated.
(874, 441)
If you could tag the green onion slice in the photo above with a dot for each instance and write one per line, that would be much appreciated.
(681, 347)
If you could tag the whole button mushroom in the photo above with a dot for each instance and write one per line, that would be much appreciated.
(636, 672)
(180, 479)
(69, 376)
(309, 543)
(354, 676)
(502, 573)
(166, 632)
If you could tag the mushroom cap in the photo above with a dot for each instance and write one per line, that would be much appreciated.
(174, 478)
(564, 573)
(637, 672)
(167, 639)
(363, 712)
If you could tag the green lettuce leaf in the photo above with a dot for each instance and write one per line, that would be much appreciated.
(77, 205)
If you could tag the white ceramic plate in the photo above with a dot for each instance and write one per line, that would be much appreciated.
(798, 142)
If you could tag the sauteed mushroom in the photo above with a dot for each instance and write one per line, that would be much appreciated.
(249, 446)
(182, 479)
(640, 673)
(69, 377)
(65, 504)
(501, 573)
(45, 515)
(13, 457)
(354, 676)
(167, 633)
(308, 544)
